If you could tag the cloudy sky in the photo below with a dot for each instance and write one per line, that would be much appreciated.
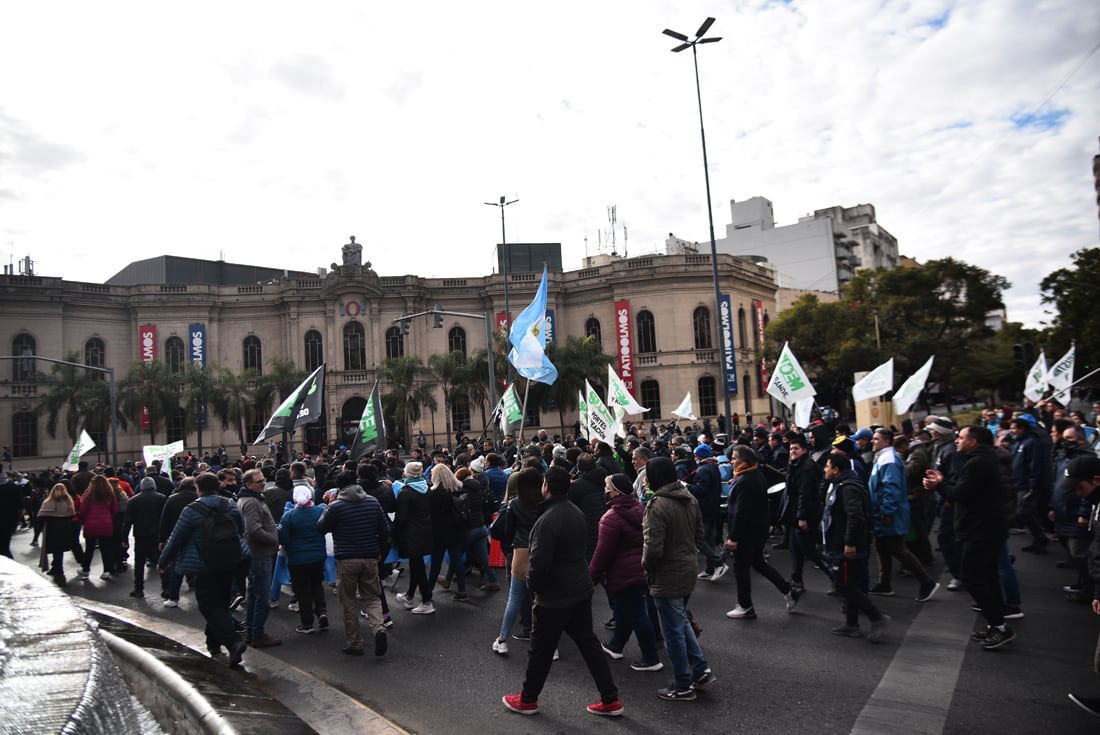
(270, 132)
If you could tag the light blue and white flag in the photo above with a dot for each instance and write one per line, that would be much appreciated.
(528, 338)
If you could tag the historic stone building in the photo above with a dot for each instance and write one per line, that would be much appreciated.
(655, 313)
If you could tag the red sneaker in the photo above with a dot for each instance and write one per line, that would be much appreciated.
(515, 703)
(607, 710)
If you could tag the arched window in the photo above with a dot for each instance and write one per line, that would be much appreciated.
(700, 326)
(24, 433)
(708, 396)
(755, 331)
(460, 413)
(174, 356)
(175, 426)
(315, 353)
(23, 346)
(746, 381)
(649, 393)
(253, 354)
(355, 347)
(95, 353)
(395, 343)
(456, 340)
(741, 333)
(647, 333)
(592, 329)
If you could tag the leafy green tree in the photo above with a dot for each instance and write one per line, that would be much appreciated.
(907, 313)
(577, 359)
(149, 386)
(447, 371)
(411, 386)
(1073, 294)
(75, 399)
(198, 386)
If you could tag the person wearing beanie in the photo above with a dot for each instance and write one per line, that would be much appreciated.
(706, 485)
(305, 552)
(412, 532)
(143, 519)
(947, 460)
(617, 563)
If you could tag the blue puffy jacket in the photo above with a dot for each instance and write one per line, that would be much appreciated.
(186, 537)
(889, 494)
(298, 534)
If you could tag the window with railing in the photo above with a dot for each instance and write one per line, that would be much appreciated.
(95, 354)
(647, 332)
(174, 357)
(456, 340)
(24, 434)
(23, 346)
(592, 329)
(253, 354)
(700, 327)
(355, 346)
(395, 343)
(315, 354)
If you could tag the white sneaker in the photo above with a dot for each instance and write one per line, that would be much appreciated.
(105, 575)
(719, 572)
(740, 613)
(294, 607)
(556, 654)
(171, 603)
(274, 604)
(500, 646)
(703, 575)
(405, 600)
(955, 585)
(424, 608)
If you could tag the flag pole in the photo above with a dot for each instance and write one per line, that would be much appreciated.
(523, 417)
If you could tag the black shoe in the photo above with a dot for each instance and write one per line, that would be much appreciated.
(523, 635)
(610, 624)
(236, 602)
(782, 546)
(703, 680)
(137, 593)
(352, 651)
(380, 643)
(1089, 704)
(1035, 548)
(996, 638)
(322, 621)
(883, 590)
(679, 695)
(236, 653)
(1064, 565)
(164, 594)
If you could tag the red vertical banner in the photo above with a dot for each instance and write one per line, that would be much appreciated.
(147, 347)
(624, 344)
(758, 313)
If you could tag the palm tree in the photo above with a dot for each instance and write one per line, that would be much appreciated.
(577, 359)
(411, 386)
(447, 370)
(235, 401)
(149, 389)
(78, 398)
(280, 380)
(473, 381)
(199, 386)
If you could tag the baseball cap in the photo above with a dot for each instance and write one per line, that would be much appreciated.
(1080, 468)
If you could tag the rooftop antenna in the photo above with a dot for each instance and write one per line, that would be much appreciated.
(624, 239)
(612, 217)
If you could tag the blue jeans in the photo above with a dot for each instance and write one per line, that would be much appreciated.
(1009, 581)
(516, 590)
(258, 604)
(631, 617)
(682, 646)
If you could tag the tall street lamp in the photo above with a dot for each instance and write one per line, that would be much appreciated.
(504, 202)
(686, 44)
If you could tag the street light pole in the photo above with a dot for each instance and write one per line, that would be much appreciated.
(504, 202)
(685, 44)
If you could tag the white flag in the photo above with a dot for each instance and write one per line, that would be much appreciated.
(163, 452)
(83, 445)
(875, 383)
(789, 383)
(906, 395)
(684, 410)
(1036, 382)
(582, 408)
(601, 424)
(618, 395)
(1060, 375)
(802, 411)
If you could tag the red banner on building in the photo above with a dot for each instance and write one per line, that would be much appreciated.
(624, 344)
(147, 348)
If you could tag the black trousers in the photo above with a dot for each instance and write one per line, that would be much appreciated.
(983, 582)
(212, 591)
(145, 549)
(576, 622)
(751, 556)
(850, 578)
(308, 583)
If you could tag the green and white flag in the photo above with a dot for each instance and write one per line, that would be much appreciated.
(789, 383)
(303, 406)
(618, 395)
(601, 424)
(1060, 375)
(83, 445)
(371, 430)
(163, 452)
(907, 394)
(685, 409)
(511, 412)
(582, 407)
(1036, 383)
(875, 383)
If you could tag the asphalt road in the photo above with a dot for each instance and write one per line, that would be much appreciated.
(781, 673)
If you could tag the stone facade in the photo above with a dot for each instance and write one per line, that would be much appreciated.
(58, 317)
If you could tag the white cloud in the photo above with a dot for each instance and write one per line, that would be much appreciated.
(272, 131)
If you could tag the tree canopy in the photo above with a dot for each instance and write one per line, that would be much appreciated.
(1073, 293)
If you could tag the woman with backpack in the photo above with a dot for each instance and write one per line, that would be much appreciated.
(447, 530)
(470, 505)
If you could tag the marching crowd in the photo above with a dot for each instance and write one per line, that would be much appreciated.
(646, 518)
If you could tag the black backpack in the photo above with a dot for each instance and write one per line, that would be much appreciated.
(220, 546)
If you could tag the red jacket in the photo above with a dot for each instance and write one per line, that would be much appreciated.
(618, 556)
(98, 518)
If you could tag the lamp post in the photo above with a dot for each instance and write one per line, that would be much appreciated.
(686, 44)
(504, 202)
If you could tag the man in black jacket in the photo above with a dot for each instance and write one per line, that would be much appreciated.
(143, 514)
(803, 507)
(980, 526)
(845, 529)
(587, 493)
(562, 587)
(1082, 474)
